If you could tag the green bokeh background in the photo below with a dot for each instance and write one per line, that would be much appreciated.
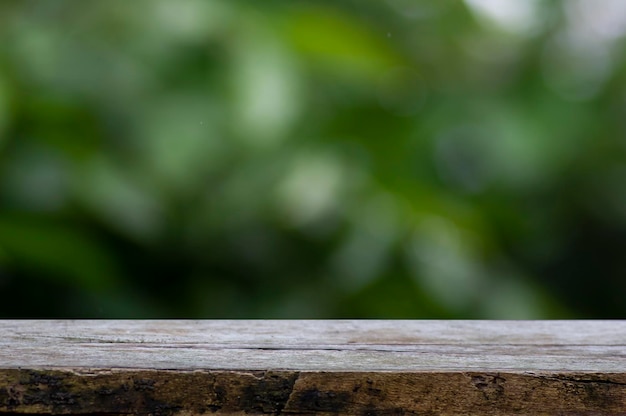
(313, 159)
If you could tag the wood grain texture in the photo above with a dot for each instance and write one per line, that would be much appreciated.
(313, 367)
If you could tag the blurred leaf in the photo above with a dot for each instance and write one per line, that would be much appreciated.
(57, 251)
(35, 179)
(339, 43)
(266, 90)
(5, 110)
(113, 195)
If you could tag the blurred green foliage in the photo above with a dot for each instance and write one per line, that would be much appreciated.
(313, 159)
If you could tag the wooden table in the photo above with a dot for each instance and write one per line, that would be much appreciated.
(313, 367)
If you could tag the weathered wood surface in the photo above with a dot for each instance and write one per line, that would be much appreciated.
(313, 367)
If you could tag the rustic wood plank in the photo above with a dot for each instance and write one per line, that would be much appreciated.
(313, 367)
